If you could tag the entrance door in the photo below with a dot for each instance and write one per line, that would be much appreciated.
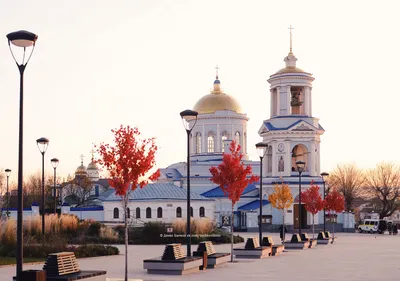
(296, 216)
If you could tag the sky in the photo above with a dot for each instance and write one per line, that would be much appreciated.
(99, 64)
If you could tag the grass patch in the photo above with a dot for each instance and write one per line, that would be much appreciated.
(13, 260)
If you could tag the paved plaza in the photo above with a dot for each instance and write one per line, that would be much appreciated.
(354, 257)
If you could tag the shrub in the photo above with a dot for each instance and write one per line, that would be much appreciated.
(91, 250)
(94, 229)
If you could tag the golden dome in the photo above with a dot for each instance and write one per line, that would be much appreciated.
(217, 100)
(81, 170)
(290, 69)
(92, 166)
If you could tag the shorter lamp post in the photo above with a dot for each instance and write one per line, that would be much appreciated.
(8, 172)
(54, 163)
(300, 169)
(261, 150)
(188, 116)
(42, 144)
(324, 175)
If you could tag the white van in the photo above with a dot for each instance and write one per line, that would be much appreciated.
(369, 225)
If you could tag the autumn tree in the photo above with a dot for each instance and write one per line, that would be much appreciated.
(233, 177)
(281, 199)
(383, 184)
(77, 189)
(129, 162)
(349, 181)
(334, 204)
(313, 201)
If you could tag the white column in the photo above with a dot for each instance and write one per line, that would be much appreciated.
(310, 100)
(289, 97)
(274, 160)
(217, 145)
(311, 159)
(278, 103)
(307, 101)
(318, 158)
(203, 140)
(288, 159)
(271, 102)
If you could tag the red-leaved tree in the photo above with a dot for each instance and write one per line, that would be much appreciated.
(334, 203)
(312, 201)
(233, 177)
(129, 162)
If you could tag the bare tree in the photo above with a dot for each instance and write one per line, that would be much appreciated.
(78, 189)
(348, 180)
(383, 183)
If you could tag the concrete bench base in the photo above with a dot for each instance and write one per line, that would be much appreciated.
(178, 267)
(258, 253)
(217, 260)
(313, 243)
(277, 250)
(325, 241)
(297, 245)
(86, 275)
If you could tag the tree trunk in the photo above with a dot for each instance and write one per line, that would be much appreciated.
(126, 236)
(333, 229)
(283, 229)
(232, 235)
(313, 226)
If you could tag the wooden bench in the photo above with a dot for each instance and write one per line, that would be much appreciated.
(276, 249)
(252, 249)
(328, 235)
(306, 238)
(173, 262)
(322, 239)
(64, 267)
(296, 243)
(214, 259)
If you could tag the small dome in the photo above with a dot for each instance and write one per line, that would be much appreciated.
(92, 166)
(290, 69)
(217, 100)
(80, 171)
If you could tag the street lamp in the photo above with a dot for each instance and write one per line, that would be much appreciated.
(300, 169)
(189, 119)
(42, 144)
(8, 172)
(54, 162)
(261, 150)
(324, 175)
(22, 39)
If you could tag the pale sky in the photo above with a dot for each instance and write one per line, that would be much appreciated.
(99, 64)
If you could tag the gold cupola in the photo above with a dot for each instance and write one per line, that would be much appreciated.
(217, 100)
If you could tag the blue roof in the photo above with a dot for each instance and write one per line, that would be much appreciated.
(273, 128)
(171, 173)
(253, 205)
(89, 208)
(35, 204)
(217, 191)
(154, 191)
(65, 204)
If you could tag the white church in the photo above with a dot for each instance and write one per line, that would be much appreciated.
(291, 132)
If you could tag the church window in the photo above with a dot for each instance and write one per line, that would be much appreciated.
(179, 212)
(159, 212)
(96, 190)
(296, 100)
(138, 213)
(202, 212)
(223, 139)
(128, 213)
(148, 213)
(191, 211)
(299, 153)
(237, 138)
(210, 141)
(116, 213)
(198, 143)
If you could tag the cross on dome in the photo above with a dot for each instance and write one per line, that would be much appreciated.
(290, 31)
(82, 156)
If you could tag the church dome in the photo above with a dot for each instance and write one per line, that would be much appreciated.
(290, 69)
(81, 170)
(92, 166)
(217, 100)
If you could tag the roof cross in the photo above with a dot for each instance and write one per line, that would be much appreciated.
(290, 28)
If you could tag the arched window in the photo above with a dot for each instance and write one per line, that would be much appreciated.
(198, 143)
(237, 138)
(179, 212)
(300, 153)
(159, 212)
(210, 142)
(202, 212)
(148, 213)
(116, 213)
(191, 211)
(138, 213)
(128, 213)
(224, 137)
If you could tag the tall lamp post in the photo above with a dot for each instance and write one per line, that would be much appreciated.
(25, 40)
(8, 172)
(261, 150)
(42, 144)
(54, 162)
(189, 119)
(300, 169)
(324, 175)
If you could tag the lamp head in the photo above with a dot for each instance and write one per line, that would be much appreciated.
(54, 162)
(300, 166)
(42, 144)
(187, 116)
(324, 175)
(261, 149)
(8, 172)
(22, 38)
